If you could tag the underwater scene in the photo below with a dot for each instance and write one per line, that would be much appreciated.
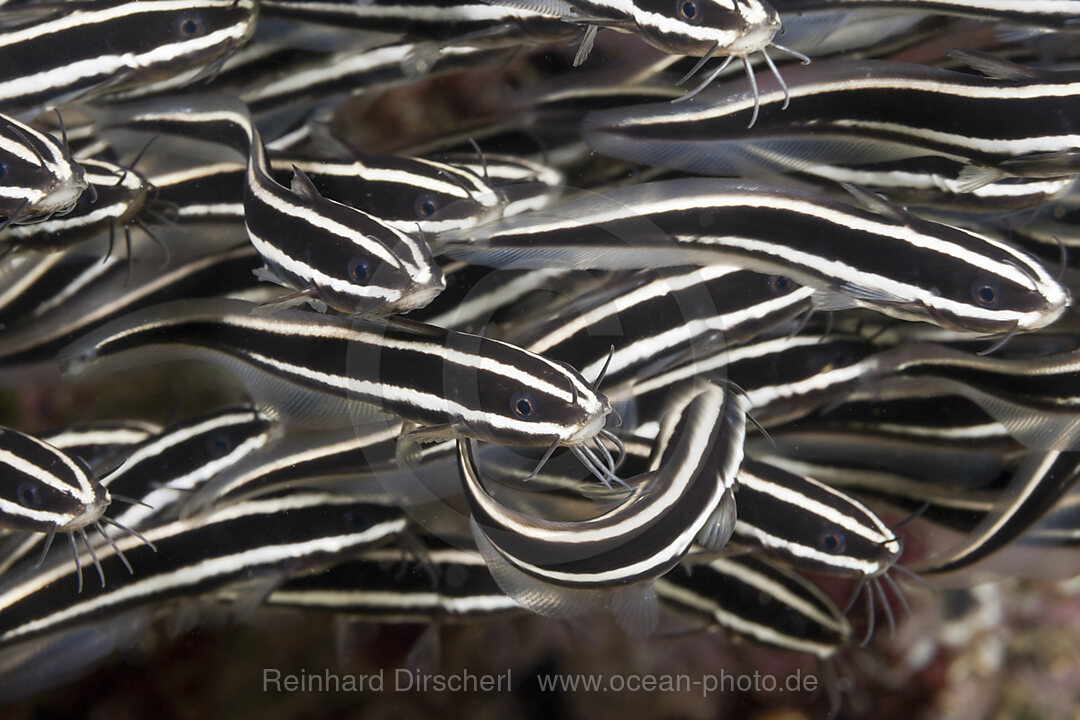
(540, 359)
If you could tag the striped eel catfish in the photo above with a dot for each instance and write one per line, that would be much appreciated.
(443, 20)
(408, 194)
(887, 260)
(103, 45)
(38, 177)
(782, 378)
(658, 319)
(702, 28)
(326, 251)
(326, 371)
(361, 462)
(242, 543)
(386, 585)
(872, 110)
(812, 527)
(753, 600)
(170, 465)
(45, 490)
(100, 443)
(117, 198)
(1058, 15)
(564, 568)
(293, 90)
(1035, 398)
(73, 292)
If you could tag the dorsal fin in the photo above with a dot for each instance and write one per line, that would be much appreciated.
(301, 185)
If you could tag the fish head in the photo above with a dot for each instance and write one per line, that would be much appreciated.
(697, 27)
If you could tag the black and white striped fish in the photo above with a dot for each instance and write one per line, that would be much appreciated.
(888, 260)
(659, 319)
(45, 490)
(386, 585)
(103, 45)
(869, 111)
(117, 197)
(195, 557)
(753, 600)
(327, 371)
(1058, 15)
(38, 177)
(562, 568)
(324, 250)
(408, 194)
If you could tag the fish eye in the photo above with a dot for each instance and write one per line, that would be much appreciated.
(832, 541)
(426, 206)
(522, 405)
(688, 10)
(779, 283)
(28, 496)
(190, 26)
(985, 293)
(359, 271)
(218, 445)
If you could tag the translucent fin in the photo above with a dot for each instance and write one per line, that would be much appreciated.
(973, 177)
(993, 66)
(551, 8)
(425, 655)
(636, 609)
(586, 46)
(720, 526)
(831, 301)
(302, 186)
(1035, 428)
(535, 595)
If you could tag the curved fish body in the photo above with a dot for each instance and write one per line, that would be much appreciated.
(408, 194)
(38, 177)
(887, 259)
(107, 45)
(560, 568)
(330, 252)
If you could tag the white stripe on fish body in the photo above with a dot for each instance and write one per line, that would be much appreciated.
(252, 431)
(45, 489)
(827, 519)
(39, 176)
(81, 75)
(850, 87)
(119, 195)
(717, 589)
(660, 212)
(206, 567)
(383, 585)
(383, 270)
(1057, 14)
(631, 305)
(561, 405)
(699, 471)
